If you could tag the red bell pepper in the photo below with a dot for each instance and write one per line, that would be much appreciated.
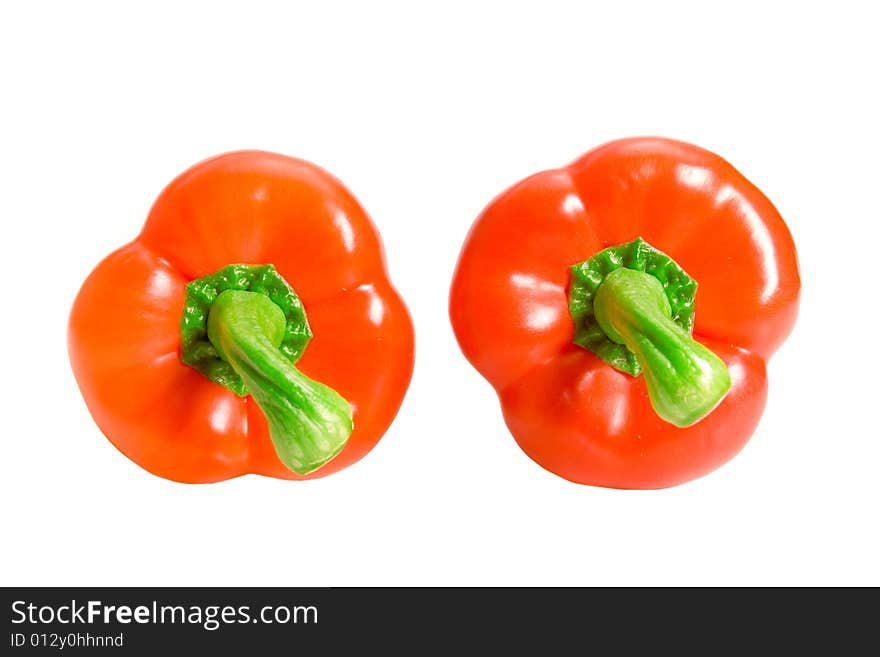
(624, 308)
(193, 351)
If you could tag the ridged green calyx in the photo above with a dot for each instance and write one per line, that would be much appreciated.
(633, 306)
(244, 328)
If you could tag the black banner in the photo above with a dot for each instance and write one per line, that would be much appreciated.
(332, 620)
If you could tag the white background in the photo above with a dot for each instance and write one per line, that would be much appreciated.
(426, 113)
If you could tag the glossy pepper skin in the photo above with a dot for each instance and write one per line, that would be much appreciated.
(246, 207)
(569, 410)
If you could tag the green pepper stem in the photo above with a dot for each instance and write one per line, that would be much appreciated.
(686, 381)
(309, 423)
